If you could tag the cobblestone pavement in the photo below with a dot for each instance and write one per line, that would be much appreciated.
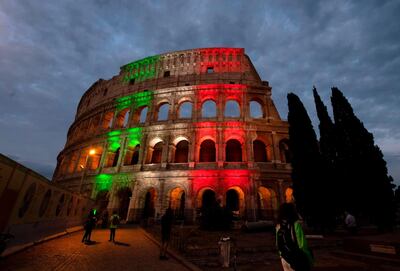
(133, 252)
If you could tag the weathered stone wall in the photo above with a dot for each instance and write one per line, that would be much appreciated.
(33, 208)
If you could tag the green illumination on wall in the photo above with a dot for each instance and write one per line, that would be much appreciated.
(141, 69)
(134, 136)
(103, 182)
(136, 100)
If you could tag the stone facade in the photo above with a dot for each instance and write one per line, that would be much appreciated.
(181, 129)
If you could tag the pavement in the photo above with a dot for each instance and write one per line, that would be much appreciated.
(132, 251)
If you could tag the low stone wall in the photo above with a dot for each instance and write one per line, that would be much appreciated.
(32, 208)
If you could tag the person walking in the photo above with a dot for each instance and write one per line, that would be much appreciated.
(166, 227)
(88, 226)
(114, 222)
(291, 242)
(350, 222)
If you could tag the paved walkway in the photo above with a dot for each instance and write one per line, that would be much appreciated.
(133, 252)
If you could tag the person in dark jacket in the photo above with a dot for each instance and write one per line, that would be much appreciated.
(90, 223)
(166, 227)
(291, 242)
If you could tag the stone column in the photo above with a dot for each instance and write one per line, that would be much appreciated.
(275, 148)
(220, 147)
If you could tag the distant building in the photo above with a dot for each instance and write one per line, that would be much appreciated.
(182, 129)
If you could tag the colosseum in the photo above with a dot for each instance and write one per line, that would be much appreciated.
(186, 130)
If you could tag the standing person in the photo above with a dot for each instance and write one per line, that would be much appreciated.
(114, 222)
(166, 226)
(291, 242)
(350, 222)
(90, 223)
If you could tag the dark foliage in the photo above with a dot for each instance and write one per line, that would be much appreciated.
(308, 183)
(367, 188)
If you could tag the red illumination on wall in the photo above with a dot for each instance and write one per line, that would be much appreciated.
(217, 179)
(222, 59)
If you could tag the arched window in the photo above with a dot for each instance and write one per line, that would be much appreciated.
(185, 110)
(122, 118)
(232, 109)
(256, 111)
(267, 203)
(108, 120)
(233, 151)
(112, 158)
(207, 151)
(259, 151)
(181, 152)
(157, 153)
(132, 155)
(163, 112)
(143, 114)
(209, 109)
(286, 156)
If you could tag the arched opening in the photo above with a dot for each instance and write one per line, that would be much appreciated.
(233, 151)
(208, 199)
(108, 120)
(94, 160)
(112, 158)
(124, 197)
(207, 151)
(267, 203)
(286, 156)
(101, 201)
(132, 155)
(149, 203)
(209, 109)
(182, 152)
(232, 200)
(122, 118)
(143, 114)
(185, 110)
(162, 113)
(259, 151)
(256, 111)
(289, 195)
(60, 205)
(157, 153)
(232, 109)
(177, 202)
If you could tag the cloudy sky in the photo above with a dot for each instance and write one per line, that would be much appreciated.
(52, 51)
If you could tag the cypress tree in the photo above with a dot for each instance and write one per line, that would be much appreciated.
(327, 145)
(306, 162)
(368, 188)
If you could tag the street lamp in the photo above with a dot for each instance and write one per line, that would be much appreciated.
(84, 167)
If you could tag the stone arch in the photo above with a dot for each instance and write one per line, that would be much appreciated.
(284, 150)
(235, 200)
(156, 155)
(122, 118)
(101, 200)
(210, 197)
(207, 151)
(162, 112)
(124, 195)
(233, 151)
(232, 109)
(256, 108)
(132, 155)
(260, 151)
(267, 203)
(151, 148)
(108, 120)
(149, 202)
(112, 157)
(177, 199)
(185, 109)
(209, 109)
(181, 152)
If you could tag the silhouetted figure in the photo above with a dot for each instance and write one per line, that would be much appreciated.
(166, 227)
(114, 222)
(350, 223)
(291, 242)
(90, 223)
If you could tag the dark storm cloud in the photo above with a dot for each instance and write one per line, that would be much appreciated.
(51, 52)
